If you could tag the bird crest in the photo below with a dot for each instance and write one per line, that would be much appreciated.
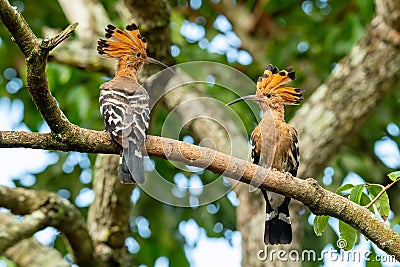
(120, 43)
(272, 84)
(129, 46)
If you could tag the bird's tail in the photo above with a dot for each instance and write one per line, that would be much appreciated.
(278, 229)
(131, 169)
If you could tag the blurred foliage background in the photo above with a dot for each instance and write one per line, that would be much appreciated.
(310, 35)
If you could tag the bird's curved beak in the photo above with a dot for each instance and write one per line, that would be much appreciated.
(155, 61)
(248, 97)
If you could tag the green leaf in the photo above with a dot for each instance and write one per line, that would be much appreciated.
(348, 236)
(365, 200)
(382, 204)
(355, 194)
(320, 224)
(344, 188)
(394, 175)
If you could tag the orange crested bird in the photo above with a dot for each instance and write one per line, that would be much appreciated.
(280, 138)
(124, 103)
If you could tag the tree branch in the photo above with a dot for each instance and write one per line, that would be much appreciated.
(384, 189)
(16, 24)
(36, 54)
(49, 44)
(12, 231)
(29, 252)
(53, 211)
(76, 139)
(309, 192)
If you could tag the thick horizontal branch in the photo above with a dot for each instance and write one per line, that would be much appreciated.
(53, 211)
(76, 139)
(309, 192)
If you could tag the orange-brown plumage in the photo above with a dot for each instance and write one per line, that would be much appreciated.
(274, 144)
(123, 43)
(126, 45)
(129, 46)
(272, 82)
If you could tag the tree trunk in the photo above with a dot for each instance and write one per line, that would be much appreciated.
(108, 218)
(250, 222)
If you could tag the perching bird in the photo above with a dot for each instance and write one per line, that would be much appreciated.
(275, 145)
(124, 103)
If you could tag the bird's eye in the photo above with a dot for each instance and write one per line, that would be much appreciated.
(138, 55)
(269, 95)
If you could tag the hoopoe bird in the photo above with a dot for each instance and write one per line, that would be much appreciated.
(275, 145)
(124, 103)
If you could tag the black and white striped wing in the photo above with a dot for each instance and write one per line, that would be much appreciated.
(114, 104)
(138, 117)
(134, 136)
(126, 116)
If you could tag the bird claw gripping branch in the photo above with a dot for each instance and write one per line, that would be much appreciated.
(272, 95)
(124, 103)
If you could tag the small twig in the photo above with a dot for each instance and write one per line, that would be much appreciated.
(380, 193)
(50, 44)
